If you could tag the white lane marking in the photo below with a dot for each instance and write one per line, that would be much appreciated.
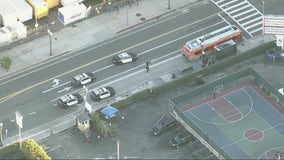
(223, 18)
(185, 10)
(146, 52)
(55, 82)
(65, 89)
(68, 82)
(32, 113)
(82, 52)
(56, 87)
(131, 74)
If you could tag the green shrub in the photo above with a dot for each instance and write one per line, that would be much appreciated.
(6, 63)
(9, 149)
(195, 76)
(101, 125)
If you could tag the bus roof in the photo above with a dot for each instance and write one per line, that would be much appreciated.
(211, 37)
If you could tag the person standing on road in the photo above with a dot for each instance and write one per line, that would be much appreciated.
(147, 66)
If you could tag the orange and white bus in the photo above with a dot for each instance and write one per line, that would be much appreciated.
(205, 44)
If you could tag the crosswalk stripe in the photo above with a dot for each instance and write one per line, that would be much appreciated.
(240, 8)
(247, 17)
(220, 1)
(235, 6)
(228, 3)
(257, 30)
(253, 25)
(243, 13)
(252, 21)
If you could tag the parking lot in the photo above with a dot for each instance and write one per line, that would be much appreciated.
(136, 140)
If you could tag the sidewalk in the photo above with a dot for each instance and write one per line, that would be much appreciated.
(91, 31)
(87, 32)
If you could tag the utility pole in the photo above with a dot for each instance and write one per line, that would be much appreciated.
(1, 129)
(169, 4)
(117, 147)
(50, 42)
(19, 121)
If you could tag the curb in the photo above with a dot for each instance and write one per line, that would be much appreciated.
(125, 29)
(157, 17)
(148, 20)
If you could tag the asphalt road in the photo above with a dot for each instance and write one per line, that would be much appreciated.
(32, 92)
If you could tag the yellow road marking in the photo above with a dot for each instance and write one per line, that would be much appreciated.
(8, 97)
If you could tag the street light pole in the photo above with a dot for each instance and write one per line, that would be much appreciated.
(126, 18)
(36, 24)
(50, 42)
(117, 147)
(1, 128)
(19, 121)
(88, 106)
(169, 4)
(263, 17)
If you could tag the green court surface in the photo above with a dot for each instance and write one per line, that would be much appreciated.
(236, 131)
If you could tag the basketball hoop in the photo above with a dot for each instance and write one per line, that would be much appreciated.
(218, 90)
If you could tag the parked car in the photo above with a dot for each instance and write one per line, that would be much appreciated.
(69, 100)
(181, 138)
(83, 79)
(166, 121)
(125, 57)
(102, 93)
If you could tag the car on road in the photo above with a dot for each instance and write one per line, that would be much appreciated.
(166, 121)
(83, 79)
(124, 57)
(69, 100)
(181, 138)
(102, 93)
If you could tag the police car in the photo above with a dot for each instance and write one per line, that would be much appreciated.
(102, 93)
(69, 100)
(125, 57)
(83, 79)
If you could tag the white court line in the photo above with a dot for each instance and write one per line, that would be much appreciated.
(235, 142)
(271, 106)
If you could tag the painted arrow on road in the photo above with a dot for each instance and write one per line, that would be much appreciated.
(55, 82)
(65, 89)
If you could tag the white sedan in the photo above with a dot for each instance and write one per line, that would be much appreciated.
(125, 57)
(83, 79)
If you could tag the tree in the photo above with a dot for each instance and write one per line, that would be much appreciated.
(6, 63)
(101, 125)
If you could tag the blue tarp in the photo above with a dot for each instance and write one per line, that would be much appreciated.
(109, 111)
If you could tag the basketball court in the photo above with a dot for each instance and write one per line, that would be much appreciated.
(242, 120)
